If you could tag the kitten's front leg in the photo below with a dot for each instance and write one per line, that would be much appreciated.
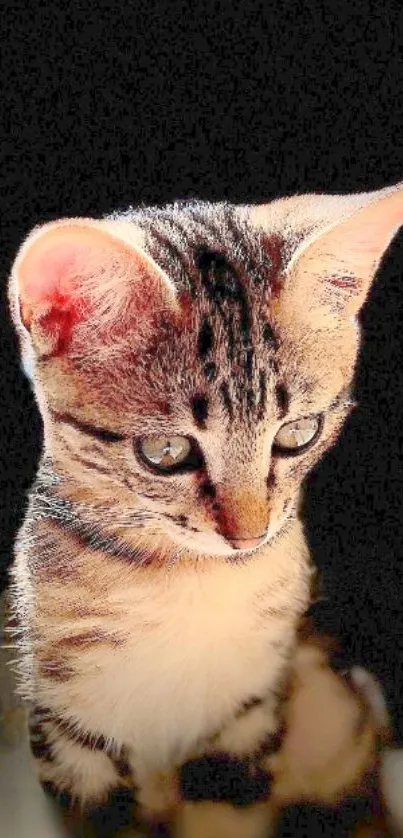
(322, 769)
(80, 773)
(226, 791)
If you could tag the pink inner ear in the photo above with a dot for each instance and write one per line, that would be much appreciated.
(44, 278)
(49, 277)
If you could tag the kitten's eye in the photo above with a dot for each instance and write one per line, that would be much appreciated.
(294, 436)
(166, 453)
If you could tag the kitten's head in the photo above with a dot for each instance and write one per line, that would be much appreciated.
(193, 362)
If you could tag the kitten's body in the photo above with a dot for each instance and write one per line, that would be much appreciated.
(151, 643)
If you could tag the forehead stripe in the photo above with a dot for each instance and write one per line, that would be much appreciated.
(227, 399)
(200, 408)
(206, 338)
(263, 393)
(283, 399)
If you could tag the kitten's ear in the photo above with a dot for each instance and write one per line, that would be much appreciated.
(76, 279)
(329, 277)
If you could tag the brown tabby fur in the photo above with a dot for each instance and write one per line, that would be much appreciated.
(156, 656)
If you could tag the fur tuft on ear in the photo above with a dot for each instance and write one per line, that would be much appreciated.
(77, 279)
(335, 246)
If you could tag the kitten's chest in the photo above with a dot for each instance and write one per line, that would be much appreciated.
(188, 659)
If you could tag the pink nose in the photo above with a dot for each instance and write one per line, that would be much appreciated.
(246, 543)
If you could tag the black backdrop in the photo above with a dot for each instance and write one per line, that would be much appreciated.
(116, 103)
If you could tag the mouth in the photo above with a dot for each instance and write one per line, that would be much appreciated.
(215, 544)
(247, 544)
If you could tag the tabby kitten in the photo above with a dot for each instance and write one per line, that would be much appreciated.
(191, 364)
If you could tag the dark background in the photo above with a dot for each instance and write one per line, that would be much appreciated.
(145, 102)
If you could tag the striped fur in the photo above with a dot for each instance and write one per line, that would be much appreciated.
(164, 666)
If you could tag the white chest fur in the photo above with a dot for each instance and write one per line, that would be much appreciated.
(192, 646)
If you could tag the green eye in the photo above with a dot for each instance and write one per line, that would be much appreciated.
(295, 436)
(165, 453)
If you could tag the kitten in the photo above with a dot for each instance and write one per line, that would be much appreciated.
(191, 364)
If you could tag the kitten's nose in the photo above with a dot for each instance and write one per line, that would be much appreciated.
(246, 543)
